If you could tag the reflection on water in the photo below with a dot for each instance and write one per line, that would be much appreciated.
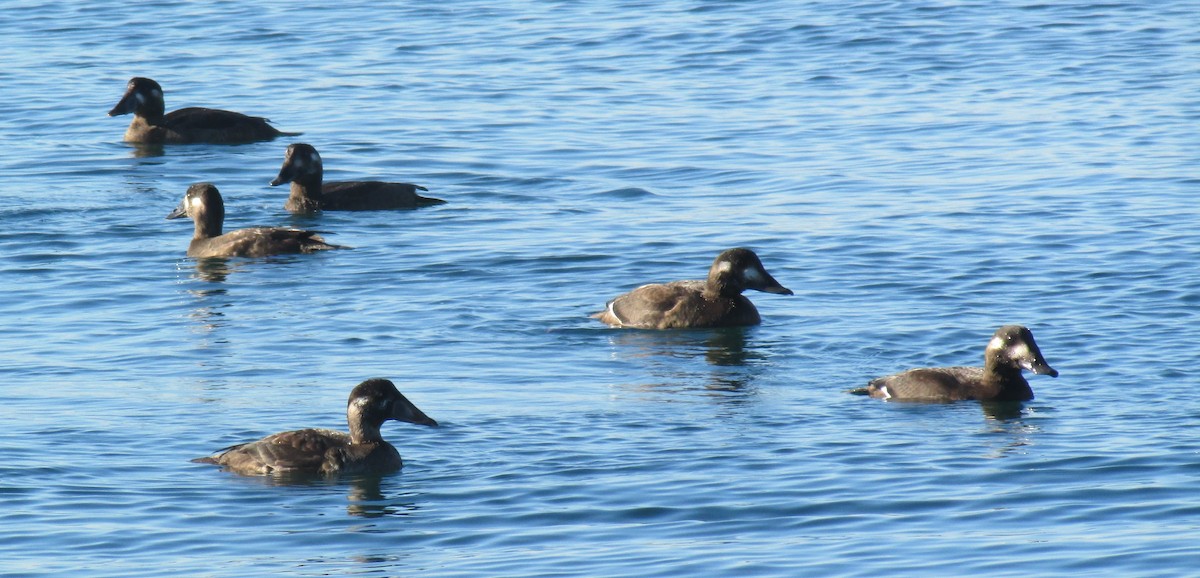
(368, 501)
(364, 493)
(724, 346)
(208, 311)
(213, 269)
(727, 346)
(145, 150)
(1002, 411)
(1008, 419)
(670, 357)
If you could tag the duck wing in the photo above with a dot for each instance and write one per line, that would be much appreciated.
(652, 306)
(373, 195)
(934, 383)
(300, 451)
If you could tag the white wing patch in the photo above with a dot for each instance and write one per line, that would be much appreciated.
(612, 312)
(886, 394)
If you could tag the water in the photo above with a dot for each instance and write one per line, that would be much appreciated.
(919, 173)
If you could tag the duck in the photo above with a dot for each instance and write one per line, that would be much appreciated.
(144, 98)
(715, 302)
(1011, 350)
(302, 167)
(330, 452)
(204, 205)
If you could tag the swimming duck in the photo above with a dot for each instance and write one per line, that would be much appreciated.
(323, 451)
(302, 167)
(204, 205)
(1011, 350)
(716, 302)
(144, 98)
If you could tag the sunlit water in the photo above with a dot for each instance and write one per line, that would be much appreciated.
(919, 173)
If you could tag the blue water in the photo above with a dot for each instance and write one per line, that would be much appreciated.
(919, 173)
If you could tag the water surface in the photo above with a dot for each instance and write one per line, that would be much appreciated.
(919, 173)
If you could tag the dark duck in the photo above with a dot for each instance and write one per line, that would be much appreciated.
(151, 125)
(204, 205)
(322, 451)
(1010, 351)
(715, 302)
(303, 168)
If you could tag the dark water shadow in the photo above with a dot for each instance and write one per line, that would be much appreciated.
(366, 494)
(146, 150)
(669, 356)
(1010, 420)
(213, 269)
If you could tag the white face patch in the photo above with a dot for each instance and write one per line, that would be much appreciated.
(753, 275)
(997, 342)
(1021, 351)
(195, 203)
(139, 98)
(724, 267)
(298, 162)
(314, 158)
(156, 93)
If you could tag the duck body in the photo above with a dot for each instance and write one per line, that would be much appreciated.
(714, 302)
(327, 452)
(302, 167)
(308, 451)
(203, 203)
(152, 125)
(1010, 351)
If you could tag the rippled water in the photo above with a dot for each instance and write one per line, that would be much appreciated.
(919, 173)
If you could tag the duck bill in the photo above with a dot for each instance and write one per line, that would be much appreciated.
(1040, 367)
(127, 105)
(770, 285)
(286, 172)
(409, 413)
(179, 212)
(777, 289)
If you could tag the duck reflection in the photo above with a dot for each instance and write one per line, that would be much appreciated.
(365, 493)
(213, 269)
(669, 356)
(146, 150)
(367, 499)
(1011, 421)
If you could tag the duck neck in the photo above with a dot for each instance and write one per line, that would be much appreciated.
(1007, 379)
(152, 112)
(721, 286)
(306, 194)
(362, 432)
(206, 229)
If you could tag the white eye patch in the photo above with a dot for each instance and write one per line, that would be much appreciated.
(997, 342)
(1021, 350)
(724, 267)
